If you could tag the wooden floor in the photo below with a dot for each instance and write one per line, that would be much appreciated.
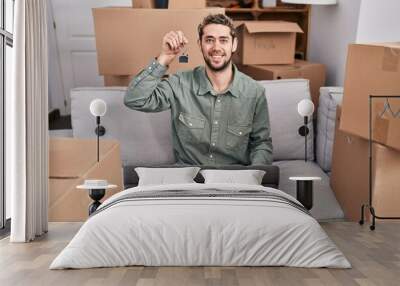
(375, 257)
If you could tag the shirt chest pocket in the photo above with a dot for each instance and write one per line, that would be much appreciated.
(237, 137)
(191, 127)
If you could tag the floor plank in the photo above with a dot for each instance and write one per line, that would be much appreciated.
(374, 255)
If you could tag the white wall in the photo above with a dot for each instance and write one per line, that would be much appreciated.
(379, 21)
(332, 28)
(72, 48)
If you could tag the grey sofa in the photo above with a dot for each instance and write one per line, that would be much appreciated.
(146, 138)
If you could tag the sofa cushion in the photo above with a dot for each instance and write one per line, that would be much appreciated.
(329, 99)
(283, 97)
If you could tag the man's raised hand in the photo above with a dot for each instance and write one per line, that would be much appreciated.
(172, 44)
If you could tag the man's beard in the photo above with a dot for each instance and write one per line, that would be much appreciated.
(220, 68)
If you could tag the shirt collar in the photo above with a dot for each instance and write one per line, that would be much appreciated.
(205, 85)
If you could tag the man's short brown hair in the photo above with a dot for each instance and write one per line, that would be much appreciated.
(217, 19)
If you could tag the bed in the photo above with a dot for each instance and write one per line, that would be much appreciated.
(201, 225)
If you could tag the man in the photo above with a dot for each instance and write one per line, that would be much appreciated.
(219, 115)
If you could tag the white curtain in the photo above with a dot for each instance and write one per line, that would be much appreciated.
(27, 123)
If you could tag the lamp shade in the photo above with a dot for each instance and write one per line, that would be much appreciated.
(305, 107)
(98, 107)
(311, 2)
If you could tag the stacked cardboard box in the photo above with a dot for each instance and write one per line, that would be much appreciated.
(127, 39)
(266, 52)
(370, 70)
(350, 175)
(266, 42)
(71, 161)
(184, 4)
(147, 4)
(314, 72)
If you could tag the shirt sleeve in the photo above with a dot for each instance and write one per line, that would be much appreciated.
(148, 91)
(260, 137)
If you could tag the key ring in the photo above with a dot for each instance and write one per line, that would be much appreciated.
(184, 57)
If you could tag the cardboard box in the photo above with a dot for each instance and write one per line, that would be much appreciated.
(350, 173)
(372, 70)
(149, 4)
(314, 72)
(117, 80)
(385, 126)
(128, 39)
(184, 4)
(266, 42)
(71, 161)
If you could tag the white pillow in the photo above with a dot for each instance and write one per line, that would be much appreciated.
(248, 177)
(165, 176)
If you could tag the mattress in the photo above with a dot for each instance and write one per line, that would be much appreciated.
(201, 225)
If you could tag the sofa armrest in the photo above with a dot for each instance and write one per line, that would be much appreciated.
(330, 98)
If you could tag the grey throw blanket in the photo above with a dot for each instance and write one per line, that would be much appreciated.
(199, 194)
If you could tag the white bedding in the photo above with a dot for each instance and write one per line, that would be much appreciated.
(200, 231)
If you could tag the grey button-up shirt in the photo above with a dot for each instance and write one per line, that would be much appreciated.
(209, 128)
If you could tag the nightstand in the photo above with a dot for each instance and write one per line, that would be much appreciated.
(304, 190)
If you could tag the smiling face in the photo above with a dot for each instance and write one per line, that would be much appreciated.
(217, 46)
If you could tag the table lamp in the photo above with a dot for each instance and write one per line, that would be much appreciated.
(98, 108)
(305, 108)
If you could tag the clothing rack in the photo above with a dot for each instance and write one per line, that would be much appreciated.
(396, 115)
